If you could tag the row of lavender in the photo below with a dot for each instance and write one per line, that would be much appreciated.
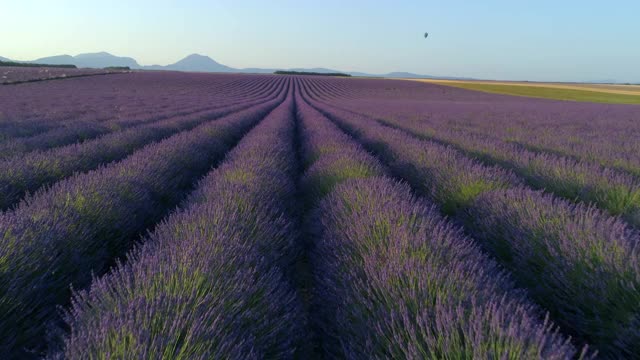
(130, 93)
(599, 133)
(390, 279)
(82, 224)
(614, 191)
(39, 116)
(12, 74)
(393, 279)
(212, 281)
(92, 125)
(579, 263)
(31, 171)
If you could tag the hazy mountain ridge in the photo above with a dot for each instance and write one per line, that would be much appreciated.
(88, 60)
(54, 60)
(104, 59)
(193, 62)
(201, 63)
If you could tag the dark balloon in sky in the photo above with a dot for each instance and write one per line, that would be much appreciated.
(426, 35)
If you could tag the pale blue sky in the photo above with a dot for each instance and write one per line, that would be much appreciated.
(536, 40)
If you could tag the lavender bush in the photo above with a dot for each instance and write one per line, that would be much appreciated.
(616, 192)
(577, 262)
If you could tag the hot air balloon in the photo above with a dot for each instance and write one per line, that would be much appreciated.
(426, 35)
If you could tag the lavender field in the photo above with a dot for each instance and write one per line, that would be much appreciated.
(197, 216)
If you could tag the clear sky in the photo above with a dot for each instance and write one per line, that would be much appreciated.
(560, 40)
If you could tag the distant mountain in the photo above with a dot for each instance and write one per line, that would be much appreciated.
(397, 75)
(104, 59)
(394, 75)
(603, 81)
(90, 60)
(199, 63)
(4, 59)
(407, 75)
(55, 60)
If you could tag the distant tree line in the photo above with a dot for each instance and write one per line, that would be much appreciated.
(117, 68)
(283, 72)
(18, 64)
